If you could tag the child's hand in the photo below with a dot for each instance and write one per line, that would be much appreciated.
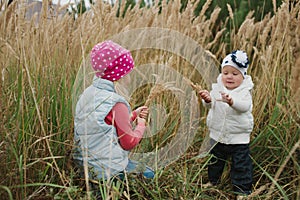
(226, 98)
(142, 112)
(139, 110)
(204, 94)
(141, 120)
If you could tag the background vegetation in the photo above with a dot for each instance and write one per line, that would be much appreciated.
(39, 59)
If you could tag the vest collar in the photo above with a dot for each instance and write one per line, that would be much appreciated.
(103, 84)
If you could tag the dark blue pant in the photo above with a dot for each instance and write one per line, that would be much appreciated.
(241, 168)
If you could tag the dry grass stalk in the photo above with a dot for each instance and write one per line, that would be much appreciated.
(158, 89)
(274, 5)
(266, 26)
(155, 91)
(230, 11)
(196, 86)
(258, 191)
(295, 43)
(214, 16)
(281, 168)
(204, 9)
(245, 33)
(216, 39)
(295, 83)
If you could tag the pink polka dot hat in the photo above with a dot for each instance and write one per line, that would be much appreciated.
(111, 61)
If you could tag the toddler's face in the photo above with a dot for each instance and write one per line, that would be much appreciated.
(231, 77)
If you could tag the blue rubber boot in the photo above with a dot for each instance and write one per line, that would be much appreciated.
(135, 167)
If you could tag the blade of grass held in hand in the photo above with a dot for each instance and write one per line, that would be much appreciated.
(196, 86)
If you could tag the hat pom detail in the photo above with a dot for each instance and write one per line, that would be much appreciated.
(240, 58)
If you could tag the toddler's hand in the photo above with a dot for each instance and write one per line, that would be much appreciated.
(204, 94)
(226, 98)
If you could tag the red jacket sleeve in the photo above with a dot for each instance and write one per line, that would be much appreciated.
(133, 116)
(121, 119)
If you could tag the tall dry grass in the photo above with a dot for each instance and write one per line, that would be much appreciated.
(39, 59)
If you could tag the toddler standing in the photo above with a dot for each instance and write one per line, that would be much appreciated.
(230, 122)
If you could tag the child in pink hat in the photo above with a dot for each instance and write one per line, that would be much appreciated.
(103, 132)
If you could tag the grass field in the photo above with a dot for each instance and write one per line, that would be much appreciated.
(39, 62)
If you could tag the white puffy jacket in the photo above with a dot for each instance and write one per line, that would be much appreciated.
(231, 124)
